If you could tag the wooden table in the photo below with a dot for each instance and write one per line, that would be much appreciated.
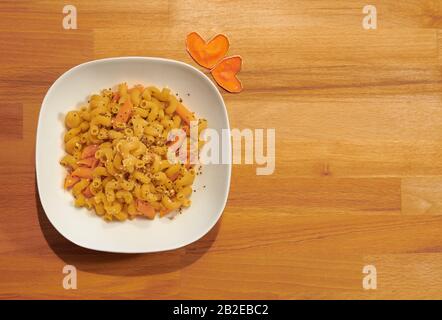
(358, 119)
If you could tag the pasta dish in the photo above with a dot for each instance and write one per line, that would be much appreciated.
(122, 156)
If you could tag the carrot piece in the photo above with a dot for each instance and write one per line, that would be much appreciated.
(124, 113)
(90, 162)
(225, 73)
(115, 97)
(174, 176)
(146, 209)
(186, 129)
(70, 181)
(83, 172)
(87, 192)
(207, 54)
(170, 143)
(184, 113)
(190, 160)
(89, 151)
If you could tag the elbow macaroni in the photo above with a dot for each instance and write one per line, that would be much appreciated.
(120, 169)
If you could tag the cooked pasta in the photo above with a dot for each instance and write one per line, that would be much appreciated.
(117, 153)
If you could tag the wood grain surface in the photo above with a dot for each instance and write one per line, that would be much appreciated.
(358, 179)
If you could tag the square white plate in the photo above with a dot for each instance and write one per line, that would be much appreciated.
(139, 235)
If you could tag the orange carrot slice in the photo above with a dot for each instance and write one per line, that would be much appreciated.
(146, 209)
(124, 113)
(115, 97)
(90, 162)
(186, 129)
(172, 142)
(207, 54)
(184, 113)
(83, 172)
(89, 151)
(174, 176)
(70, 181)
(87, 192)
(225, 73)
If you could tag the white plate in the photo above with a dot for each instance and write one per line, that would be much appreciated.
(90, 231)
